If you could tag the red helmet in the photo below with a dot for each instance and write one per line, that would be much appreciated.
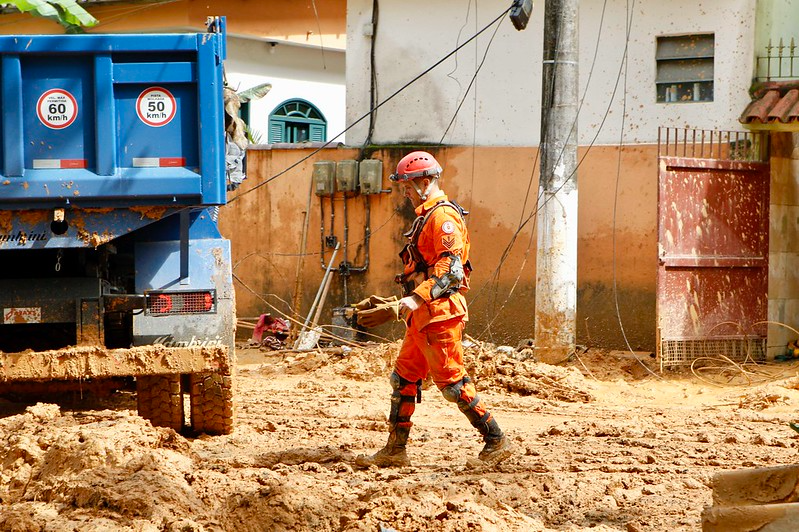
(416, 164)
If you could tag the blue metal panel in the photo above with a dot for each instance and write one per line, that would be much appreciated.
(158, 264)
(155, 73)
(86, 157)
(83, 44)
(177, 138)
(73, 75)
(140, 184)
(86, 229)
(13, 132)
(211, 121)
(106, 131)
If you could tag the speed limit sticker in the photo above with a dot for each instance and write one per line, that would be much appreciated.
(156, 106)
(57, 108)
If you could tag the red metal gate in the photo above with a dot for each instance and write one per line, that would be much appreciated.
(712, 284)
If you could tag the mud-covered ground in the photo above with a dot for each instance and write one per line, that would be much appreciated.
(602, 443)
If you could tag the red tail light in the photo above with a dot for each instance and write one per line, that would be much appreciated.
(160, 304)
(170, 303)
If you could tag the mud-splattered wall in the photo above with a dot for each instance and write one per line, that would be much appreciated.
(499, 186)
(783, 283)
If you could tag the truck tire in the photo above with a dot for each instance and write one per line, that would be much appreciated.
(212, 409)
(159, 399)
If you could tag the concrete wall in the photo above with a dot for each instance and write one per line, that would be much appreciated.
(776, 19)
(294, 72)
(499, 186)
(783, 283)
(503, 106)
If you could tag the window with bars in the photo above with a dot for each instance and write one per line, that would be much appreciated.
(685, 68)
(297, 121)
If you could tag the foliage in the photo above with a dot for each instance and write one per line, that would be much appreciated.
(66, 12)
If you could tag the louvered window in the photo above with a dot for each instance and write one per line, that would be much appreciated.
(297, 121)
(685, 68)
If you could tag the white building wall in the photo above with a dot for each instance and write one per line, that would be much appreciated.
(503, 106)
(311, 74)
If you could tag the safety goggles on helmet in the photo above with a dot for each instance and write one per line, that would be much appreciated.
(416, 164)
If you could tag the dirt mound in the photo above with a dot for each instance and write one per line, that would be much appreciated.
(490, 366)
(601, 446)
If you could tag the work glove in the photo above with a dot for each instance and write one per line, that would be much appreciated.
(379, 314)
(373, 301)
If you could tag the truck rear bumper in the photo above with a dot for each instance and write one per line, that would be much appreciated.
(90, 362)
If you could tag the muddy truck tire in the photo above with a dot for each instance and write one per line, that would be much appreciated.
(212, 410)
(159, 400)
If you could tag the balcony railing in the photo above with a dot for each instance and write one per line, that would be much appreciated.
(780, 62)
(740, 146)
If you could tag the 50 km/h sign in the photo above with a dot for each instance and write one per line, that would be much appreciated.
(57, 108)
(156, 106)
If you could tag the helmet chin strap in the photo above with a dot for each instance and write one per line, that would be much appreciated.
(423, 195)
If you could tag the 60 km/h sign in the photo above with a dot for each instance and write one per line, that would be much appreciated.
(57, 108)
(156, 106)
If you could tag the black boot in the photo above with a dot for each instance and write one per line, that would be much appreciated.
(392, 455)
(497, 446)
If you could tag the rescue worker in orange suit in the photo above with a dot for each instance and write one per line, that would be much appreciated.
(434, 280)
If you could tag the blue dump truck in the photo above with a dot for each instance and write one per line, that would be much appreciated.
(112, 268)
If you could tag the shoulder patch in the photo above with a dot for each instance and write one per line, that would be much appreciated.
(448, 227)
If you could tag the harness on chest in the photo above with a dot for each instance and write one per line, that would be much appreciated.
(447, 284)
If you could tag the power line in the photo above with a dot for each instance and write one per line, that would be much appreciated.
(408, 84)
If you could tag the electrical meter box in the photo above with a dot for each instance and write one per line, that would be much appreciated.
(347, 176)
(370, 176)
(324, 173)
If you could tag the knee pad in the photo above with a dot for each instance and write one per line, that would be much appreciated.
(452, 392)
(403, 400)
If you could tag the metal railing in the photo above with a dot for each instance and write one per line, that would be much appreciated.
(742, 146)
(779, 63)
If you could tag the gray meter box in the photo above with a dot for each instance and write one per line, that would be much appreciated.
(347, 175)
(324, 178)
(370, 176)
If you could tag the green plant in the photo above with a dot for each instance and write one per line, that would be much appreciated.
(66, 12)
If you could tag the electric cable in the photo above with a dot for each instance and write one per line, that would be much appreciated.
(469, 87)
(389, 98)
(629, 23)
(522, 221)
(297, 322)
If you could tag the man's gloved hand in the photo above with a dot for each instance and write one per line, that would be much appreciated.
(373, 301)
(379, 314)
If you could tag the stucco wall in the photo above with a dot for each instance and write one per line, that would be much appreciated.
(783, 283)
(503, 107)
(265, 227)
(294, 72)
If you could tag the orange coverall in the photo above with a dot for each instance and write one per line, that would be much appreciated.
(433, 338)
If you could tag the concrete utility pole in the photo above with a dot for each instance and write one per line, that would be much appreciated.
(556, 266)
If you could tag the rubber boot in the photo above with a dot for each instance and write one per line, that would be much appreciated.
(392, 455)
(497, 446)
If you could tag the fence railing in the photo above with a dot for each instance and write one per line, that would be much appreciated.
(743, 146)
(779, 63)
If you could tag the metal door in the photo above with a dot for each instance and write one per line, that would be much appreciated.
(712, 283)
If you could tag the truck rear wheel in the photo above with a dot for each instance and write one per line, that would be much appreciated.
(159, 399)
(212, 403)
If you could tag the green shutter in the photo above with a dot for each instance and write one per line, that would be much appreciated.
(317, 133)
(276, 131)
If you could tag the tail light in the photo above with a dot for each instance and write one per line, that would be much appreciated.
(171, 303)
